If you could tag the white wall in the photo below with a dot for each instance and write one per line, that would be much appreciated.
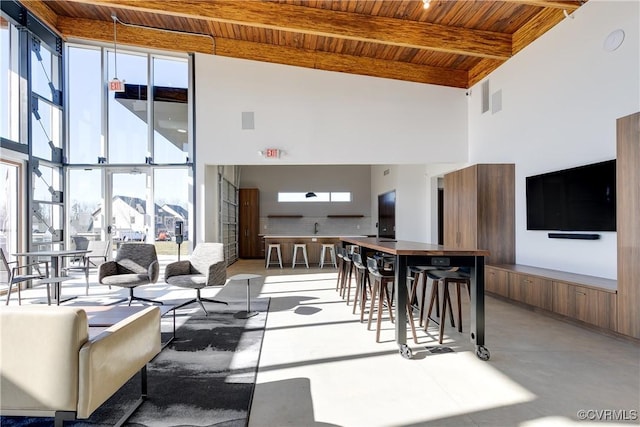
(321, 117)
(416, 197)
(561, 97)
(270, 180)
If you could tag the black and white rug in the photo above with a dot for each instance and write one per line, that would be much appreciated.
(205, 377)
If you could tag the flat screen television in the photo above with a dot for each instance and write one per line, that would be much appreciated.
(577, 199)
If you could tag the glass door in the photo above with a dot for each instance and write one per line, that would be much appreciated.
(131, 210)
(84, 204)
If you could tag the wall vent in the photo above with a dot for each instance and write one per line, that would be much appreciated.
(496, 102)
(248, 120)
(485, 96)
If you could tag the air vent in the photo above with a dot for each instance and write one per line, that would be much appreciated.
(248, 120)
(496, 102)
(485, 96)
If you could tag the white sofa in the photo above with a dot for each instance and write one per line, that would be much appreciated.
(49, 366)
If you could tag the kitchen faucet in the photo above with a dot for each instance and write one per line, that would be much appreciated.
(315, 228)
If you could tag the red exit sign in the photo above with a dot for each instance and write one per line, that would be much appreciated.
(272, 153)
(116, 85)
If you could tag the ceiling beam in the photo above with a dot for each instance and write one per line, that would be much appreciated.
(40, 9)
(342, 63)
(569, 6)
(101, 31)
(537, 26)
(482, 70)
(319, 22)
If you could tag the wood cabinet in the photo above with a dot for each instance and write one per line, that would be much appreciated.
(585, 304)
(531, 290)
(249, 242)
(479, 210)
(628, 228)
(496, 281)
(585, 298)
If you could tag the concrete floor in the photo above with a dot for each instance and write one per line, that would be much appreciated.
(320, 366)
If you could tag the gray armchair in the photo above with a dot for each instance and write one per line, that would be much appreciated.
(135, 264)
(206, 267)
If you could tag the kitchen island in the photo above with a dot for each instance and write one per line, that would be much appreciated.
(314, 244)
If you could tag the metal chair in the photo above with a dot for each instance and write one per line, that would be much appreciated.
(98, 254)
(136, 264)
(15, 278)
(206, 267)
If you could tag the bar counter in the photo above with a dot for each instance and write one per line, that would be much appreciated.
(409, 254)
(313, 241)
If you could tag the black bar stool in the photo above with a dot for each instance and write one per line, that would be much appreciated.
(447, 277)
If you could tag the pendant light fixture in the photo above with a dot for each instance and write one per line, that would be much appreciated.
(115, 85)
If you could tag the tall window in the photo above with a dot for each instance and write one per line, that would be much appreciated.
(10, 191)
(125, 141)
(32, 123)
(128, 135)
(9, 82)
(85, 105)
(170, 124)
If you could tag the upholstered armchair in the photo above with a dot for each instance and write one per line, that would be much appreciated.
(135, 264)
(206, 267)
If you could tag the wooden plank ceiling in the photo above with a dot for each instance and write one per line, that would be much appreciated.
(451, 43)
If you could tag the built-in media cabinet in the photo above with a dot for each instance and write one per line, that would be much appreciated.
(589, 299)
(605, 303)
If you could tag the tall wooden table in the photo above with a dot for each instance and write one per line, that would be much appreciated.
(409, 254)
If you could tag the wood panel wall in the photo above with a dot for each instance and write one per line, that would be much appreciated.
(628, 224)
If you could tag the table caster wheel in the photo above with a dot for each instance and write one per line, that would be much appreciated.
(405, 351)
(483, 353)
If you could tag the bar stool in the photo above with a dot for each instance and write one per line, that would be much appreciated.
(332, 252)
(303, 248)
(340, 253)
(362, 279)
(380, 282)
(447, 277)
(417, 283)
(275, 246)
(347, 273)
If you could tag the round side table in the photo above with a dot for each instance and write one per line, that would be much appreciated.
(248, 313)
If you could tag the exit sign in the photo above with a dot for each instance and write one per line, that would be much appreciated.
(272, 153)
(116, 85)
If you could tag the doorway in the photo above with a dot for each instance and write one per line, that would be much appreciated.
(387, 215)
(134, 204)
(131, 210)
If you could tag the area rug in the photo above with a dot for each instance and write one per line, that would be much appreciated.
(205, 377)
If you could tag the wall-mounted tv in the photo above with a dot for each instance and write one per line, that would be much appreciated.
(577, 199)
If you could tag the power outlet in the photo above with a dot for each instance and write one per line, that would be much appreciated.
(440, 262)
